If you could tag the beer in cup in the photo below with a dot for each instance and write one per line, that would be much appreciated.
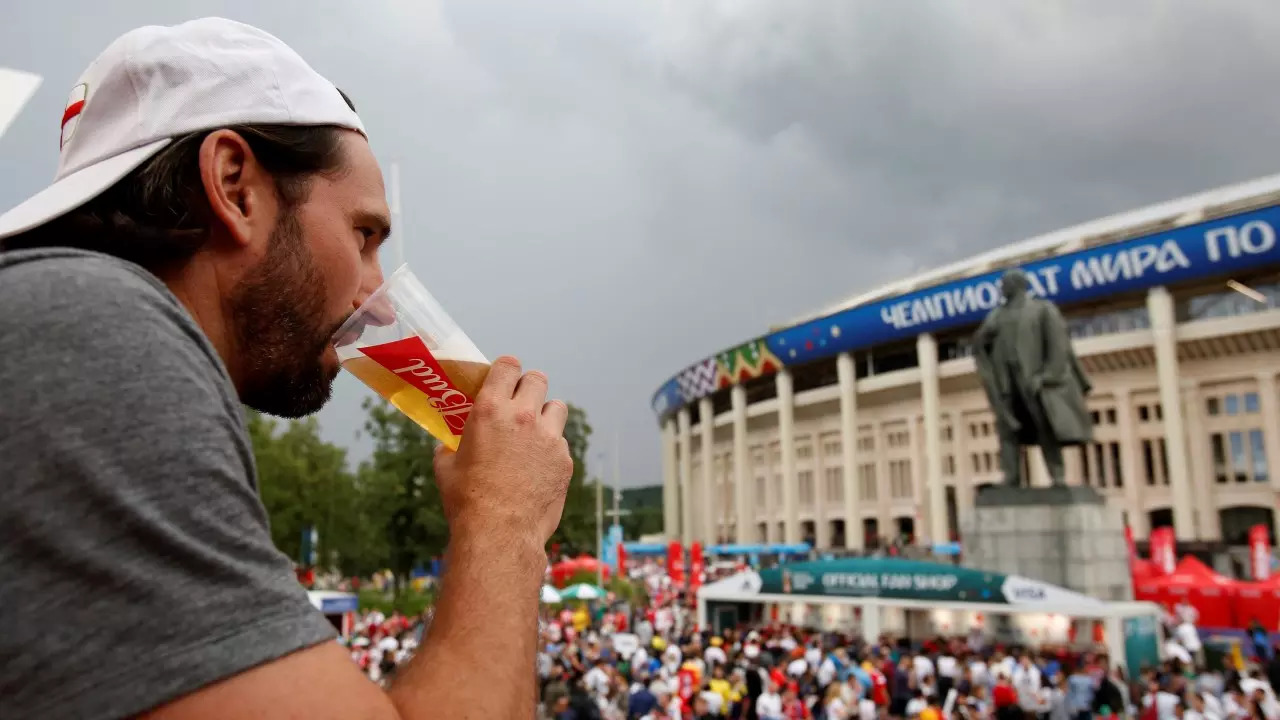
(406, 348)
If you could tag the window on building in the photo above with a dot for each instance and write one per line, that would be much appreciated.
(835, 484)
(1118, 478)
(1212, 406)
(867, 482)
(1231, 404)
(1164, 462)
(1251, 404)
(1085, 475)
(804, 451)
(804, 479)
(1239, 465)
(762, 497)
(1144, 413)
(1099, 465)
(1159, 411)
(1259, 452)
(777, 488)
(831, 447)
(1111, 416)
(1219, 448)
(949, 465)
(1096, 417)
(1149, 462)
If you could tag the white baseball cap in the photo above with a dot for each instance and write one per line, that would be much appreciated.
(155, 84)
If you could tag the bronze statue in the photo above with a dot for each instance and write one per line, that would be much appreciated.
(1033, 380)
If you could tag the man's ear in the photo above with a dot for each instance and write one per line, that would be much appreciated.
(240, 192)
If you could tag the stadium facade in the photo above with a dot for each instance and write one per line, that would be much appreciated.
(866, 422)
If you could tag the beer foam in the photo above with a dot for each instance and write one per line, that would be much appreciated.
(455, 346)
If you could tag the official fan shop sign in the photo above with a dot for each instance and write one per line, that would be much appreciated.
(1215, 248)
(911, 580)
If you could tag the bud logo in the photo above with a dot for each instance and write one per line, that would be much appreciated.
(412, 362)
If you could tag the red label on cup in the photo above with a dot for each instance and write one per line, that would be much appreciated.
(410, 360)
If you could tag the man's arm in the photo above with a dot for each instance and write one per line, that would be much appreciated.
(503, 494)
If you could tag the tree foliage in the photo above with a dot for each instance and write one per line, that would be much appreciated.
(577, 531)
(387, 513)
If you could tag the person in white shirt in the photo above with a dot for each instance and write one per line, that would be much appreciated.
(1185, 612)
(769, 704)
(1188, 638)
(923, 667)
(597, 679)
(813, 655)
(714, 654)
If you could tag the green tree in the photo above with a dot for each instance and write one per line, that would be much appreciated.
(304, 483)
(400, 497)
(577, 530)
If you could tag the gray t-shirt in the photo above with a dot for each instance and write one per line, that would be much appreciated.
(136, 562)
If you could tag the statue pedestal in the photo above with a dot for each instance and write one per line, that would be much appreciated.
(1065, 536)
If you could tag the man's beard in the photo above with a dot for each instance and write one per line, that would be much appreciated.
(277, 312)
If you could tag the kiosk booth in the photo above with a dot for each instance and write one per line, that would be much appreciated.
(339, 608)
(875, 596)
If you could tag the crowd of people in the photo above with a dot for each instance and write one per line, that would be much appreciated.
(613, 662)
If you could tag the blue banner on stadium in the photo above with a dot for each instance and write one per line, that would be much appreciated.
(1213, 248)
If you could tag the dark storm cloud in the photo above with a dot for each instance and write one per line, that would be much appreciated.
(614, 190)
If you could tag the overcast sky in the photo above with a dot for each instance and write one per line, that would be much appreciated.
(613, 190)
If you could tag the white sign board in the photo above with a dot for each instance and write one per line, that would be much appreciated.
(16, 88)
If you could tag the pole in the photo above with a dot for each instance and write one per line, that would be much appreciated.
(600, 529)
(397, 219)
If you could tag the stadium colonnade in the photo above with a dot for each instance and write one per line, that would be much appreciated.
(865, 423)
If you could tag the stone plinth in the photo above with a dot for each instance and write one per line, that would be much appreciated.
(1064, 536)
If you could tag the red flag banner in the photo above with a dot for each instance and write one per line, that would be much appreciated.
(1163, 553)
(1260, 552)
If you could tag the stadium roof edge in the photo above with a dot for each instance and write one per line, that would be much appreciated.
(1063, 240)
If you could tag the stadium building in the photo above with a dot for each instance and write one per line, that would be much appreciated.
(866, 422)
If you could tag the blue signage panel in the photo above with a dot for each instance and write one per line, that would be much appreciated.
(1213, 248)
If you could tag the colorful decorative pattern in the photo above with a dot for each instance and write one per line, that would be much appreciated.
(1214, 248)
(697, 381)
(745, 362)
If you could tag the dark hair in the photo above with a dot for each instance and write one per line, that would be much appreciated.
(157, 216)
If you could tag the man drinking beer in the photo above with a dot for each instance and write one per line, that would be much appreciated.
(216, 214)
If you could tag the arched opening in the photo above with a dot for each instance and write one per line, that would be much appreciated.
(1236, 521)
(870, 533)
(837, 534)
(905, 527)
(1160, 517)
(808, 533)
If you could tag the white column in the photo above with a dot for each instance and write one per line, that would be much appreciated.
(710, 518)
(686, 476)
(670, 482)
(846, 372)
(1163, 330)
(1130, 470)
(927, 354)
(1200, 466)
(962, 478)
(1269, 404)
(745, 524)
(787, 430)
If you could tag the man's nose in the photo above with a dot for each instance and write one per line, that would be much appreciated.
(377, 306)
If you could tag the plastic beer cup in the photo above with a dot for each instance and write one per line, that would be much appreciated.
(405, 347)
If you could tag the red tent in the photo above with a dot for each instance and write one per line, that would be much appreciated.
(1212, 595)
(564, 570)
(1259, 601)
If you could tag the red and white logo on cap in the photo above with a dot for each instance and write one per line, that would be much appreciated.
(71, 114)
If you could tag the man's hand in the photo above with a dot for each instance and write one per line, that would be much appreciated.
(511, 472)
